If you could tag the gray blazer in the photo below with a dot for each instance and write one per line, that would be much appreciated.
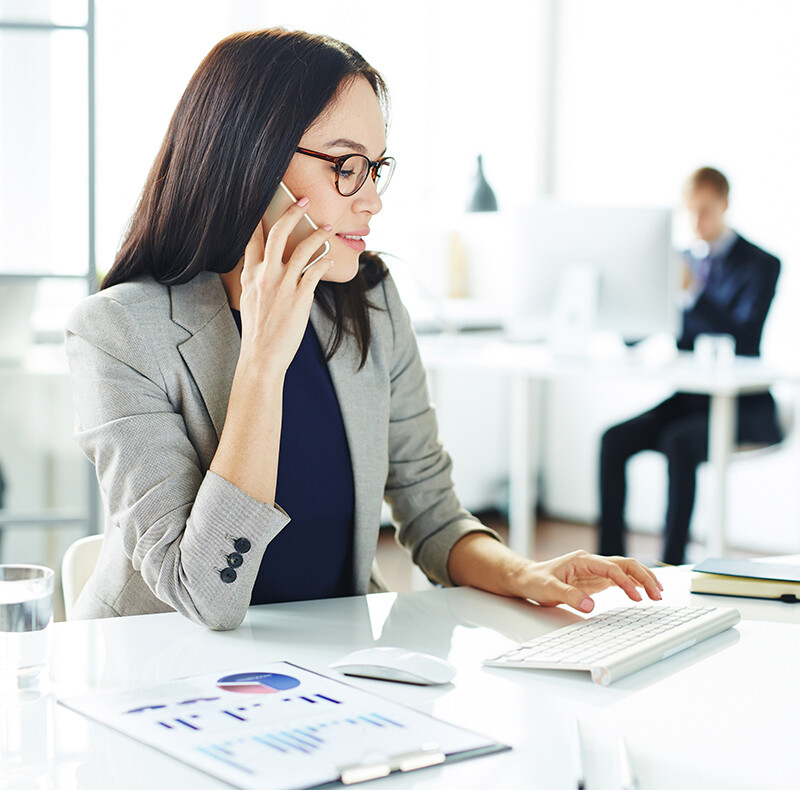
(152, 368)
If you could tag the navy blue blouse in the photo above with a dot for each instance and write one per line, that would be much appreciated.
(312, 557)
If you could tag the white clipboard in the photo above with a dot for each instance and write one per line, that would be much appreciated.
(281, 727)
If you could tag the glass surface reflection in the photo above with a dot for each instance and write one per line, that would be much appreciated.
(27, 744)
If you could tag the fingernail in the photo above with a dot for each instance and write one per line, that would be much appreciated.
(303, 201)
(327, 227)
(586, 605)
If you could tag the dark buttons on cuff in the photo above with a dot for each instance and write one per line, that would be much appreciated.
(242, 545)
(235, 560)
(228, 575)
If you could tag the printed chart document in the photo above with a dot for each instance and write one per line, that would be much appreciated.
(280, 727)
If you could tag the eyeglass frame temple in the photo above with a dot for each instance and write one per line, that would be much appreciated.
(339, 160)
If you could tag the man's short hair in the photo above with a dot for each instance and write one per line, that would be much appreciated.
(707, 177)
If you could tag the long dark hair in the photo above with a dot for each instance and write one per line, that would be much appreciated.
(227, 147)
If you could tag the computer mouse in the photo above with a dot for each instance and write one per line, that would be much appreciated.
(398, 664)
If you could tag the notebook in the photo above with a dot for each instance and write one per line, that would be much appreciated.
(747, 579)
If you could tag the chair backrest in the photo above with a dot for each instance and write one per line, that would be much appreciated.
(787, 413)
(76, 568)
(787, 401)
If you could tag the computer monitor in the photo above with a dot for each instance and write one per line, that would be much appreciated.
(615, 263)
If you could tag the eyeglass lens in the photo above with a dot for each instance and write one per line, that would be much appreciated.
(354, 172)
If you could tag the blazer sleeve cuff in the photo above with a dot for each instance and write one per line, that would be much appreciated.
(229, 514)
(434, 553)
(224, 520)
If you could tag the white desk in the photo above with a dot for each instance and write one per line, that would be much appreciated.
(529, 365)
(719, 715)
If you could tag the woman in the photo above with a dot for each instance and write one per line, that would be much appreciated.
(318, 402)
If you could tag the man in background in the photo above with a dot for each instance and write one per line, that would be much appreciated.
(728, 285)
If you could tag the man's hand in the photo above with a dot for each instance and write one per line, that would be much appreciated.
(688, 280)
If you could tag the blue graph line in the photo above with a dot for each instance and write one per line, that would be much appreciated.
(307, 734)
(213, 751)
(328, 699)
(369, 721)
(272, 745)
(383, 718)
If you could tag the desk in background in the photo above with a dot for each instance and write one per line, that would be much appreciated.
(530, 365)
(719, 715)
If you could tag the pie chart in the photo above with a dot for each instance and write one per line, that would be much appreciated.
(257, 683)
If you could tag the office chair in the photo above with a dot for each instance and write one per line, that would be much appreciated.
(787, 419)
(77, 566)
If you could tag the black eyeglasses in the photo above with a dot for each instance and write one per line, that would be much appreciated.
(352, 171)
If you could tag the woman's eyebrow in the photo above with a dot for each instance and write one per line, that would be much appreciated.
(345, 142)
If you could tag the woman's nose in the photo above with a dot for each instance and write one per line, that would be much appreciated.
(367, 198)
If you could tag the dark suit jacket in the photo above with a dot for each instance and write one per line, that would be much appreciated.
(736, 298)
(735, 301)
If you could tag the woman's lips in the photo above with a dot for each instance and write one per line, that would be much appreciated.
(354, 242)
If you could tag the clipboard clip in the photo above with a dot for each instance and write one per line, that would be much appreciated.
(406, 761)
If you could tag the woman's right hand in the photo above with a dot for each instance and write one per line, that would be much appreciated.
(276, 298)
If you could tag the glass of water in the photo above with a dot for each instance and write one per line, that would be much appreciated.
(26, 612)
(715, 349)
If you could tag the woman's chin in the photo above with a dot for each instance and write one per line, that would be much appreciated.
(343, 270)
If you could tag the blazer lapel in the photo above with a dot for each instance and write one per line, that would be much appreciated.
(212, 350)
(362, 415)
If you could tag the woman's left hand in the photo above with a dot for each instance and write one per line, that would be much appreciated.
(571, 579)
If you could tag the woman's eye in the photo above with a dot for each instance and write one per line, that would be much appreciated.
(345, 173)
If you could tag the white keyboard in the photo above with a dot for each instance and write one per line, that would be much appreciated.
(620, 641)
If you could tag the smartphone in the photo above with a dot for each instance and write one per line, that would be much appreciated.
(276, 209)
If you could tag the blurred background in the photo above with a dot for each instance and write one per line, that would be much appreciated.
(587, 114)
